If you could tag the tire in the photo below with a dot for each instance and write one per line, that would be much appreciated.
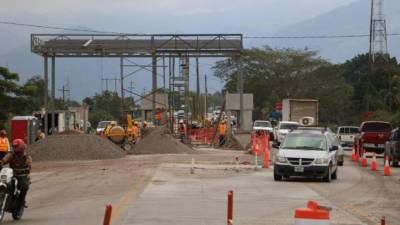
(340, 163)
(334, 175)
(2, 202)
(395, 163)
(328, 176)
(17, 213)
(277, 177)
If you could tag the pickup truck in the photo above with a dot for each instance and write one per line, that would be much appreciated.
(372, 136)
(392, 148)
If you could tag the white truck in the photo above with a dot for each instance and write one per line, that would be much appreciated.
(302, 111)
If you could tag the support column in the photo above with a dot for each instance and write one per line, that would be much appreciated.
(46, 94)
(122, 87)
(53, 93)
(154, 82)
(241, 94)
(197, 104)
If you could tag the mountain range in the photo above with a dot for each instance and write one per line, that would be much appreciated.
(85, 75)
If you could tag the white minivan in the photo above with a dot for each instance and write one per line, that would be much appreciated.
(307, 153)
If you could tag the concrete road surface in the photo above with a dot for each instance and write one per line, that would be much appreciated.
(159, 189)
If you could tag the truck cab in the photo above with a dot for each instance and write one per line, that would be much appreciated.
(372, 136)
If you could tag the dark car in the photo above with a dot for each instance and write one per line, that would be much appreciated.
(373, 136)
(392, 148)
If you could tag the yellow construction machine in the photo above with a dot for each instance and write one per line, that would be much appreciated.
(124, 137)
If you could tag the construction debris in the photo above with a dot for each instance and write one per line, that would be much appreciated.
(160, 141)
(74, 146)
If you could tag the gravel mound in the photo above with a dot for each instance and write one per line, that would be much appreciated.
(74, 147)
(160, 141)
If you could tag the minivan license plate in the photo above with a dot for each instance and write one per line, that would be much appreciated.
(299, 169)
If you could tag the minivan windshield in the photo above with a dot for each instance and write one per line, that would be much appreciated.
(288, 126)
(304, 141)
(262, 124)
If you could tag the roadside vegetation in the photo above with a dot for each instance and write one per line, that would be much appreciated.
(345, 91)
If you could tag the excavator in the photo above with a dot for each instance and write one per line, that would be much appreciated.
(126, 137)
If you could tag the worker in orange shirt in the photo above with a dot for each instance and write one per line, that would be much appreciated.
(157, 118)
(222, 132)
(4, 143)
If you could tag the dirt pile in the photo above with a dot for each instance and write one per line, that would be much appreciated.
(74, 147)
(160, 141)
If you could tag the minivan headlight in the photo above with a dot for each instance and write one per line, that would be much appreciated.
(281, 159)
(321, 161)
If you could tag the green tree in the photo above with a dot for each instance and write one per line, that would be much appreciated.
(10, 102)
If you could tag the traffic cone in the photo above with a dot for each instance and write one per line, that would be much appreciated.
(374, 165)
(364, 162)
(353, 154)
(386, 169)
(266, 152)
(358, 153)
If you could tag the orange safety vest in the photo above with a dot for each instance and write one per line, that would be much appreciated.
(222, 129)
(158, 116)
(4, 144)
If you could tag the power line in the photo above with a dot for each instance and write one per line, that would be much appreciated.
(55, 27)
(330, 36)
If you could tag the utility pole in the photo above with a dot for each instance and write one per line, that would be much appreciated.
(205, 97)
(64, 90)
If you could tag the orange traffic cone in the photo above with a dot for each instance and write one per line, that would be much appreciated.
(386, 169)
(374, 165)
(358, 153)
(364, 162)
(353, 154)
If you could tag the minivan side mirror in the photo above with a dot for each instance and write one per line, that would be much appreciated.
(334, 148)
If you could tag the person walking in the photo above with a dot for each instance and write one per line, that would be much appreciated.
(4, 143)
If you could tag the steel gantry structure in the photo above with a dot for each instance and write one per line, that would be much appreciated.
(124, 46)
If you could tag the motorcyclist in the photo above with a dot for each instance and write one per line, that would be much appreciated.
(21, 163)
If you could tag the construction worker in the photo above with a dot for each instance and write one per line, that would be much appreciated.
(222, 132)
(157, 118)
(108, 128)
(21, 163)
(39, 135)
(182, 130)
(4, 143)
(143, 129)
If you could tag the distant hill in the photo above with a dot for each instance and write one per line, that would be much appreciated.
(350, 19)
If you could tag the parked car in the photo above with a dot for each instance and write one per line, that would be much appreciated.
(346, 135)
(392, 148)
(283, 128)
(334, 140)
(307, 153)
(373, 136)
(264, 125)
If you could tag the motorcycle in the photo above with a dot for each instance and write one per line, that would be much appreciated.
(9, 194)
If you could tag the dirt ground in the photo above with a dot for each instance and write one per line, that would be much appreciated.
(76, 192)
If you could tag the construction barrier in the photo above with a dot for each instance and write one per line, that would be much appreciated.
(386, 169)
(107, 215)
(314, 214)
(364, 162)
(202, 135)
(374, 164)
(230, 208)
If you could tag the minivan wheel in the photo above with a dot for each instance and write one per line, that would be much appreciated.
(277, 177)
(395, 163)
(334, 174)
(328, 176)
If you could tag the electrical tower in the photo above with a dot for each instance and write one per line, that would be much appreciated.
(378, 50)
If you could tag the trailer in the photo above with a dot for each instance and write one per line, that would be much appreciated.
(303, 111)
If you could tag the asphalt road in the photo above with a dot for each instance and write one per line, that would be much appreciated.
(159, 189)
